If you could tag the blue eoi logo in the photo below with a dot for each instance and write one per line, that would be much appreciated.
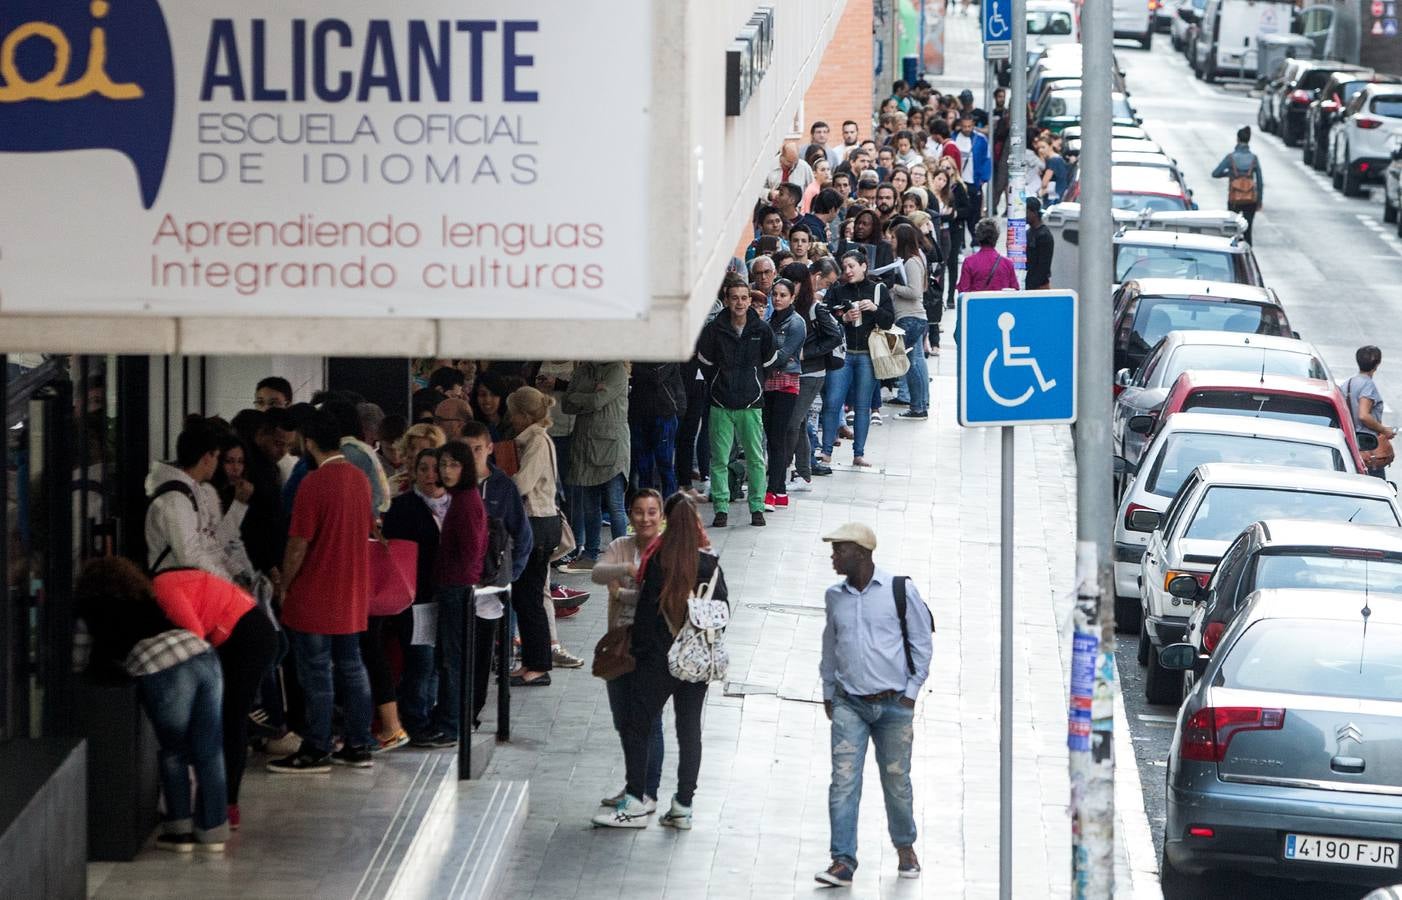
(88, 74)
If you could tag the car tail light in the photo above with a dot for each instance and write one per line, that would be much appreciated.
(1300, 97)
(1362, 167)
(1367, 122)
(1202, 578)
(1130, 511)
(1211, 635)
(1201, 831)
(1209, 731)
(1357, 552)
(1329, 105)
(1118, 389)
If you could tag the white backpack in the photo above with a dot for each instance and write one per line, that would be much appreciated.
(698, 653)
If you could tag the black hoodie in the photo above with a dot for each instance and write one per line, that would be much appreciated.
(733, 363)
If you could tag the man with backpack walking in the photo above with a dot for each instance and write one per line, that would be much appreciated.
(877, 646)
(1246, 187)
(185, 526)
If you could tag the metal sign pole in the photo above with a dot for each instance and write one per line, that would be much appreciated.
(1005, 682)
(990, 83)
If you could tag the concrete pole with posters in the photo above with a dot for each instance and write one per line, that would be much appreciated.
(1091, 707)
(1017, 140)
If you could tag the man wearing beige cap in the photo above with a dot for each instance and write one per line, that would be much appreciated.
(876, 655)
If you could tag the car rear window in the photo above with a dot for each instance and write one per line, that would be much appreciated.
(1148, 203)
(1328, 572)
(1314, 79)
(1224, 511)
(1389, 106)
(1349, 88)
(1048, 22)
(1242, 358)
(1184, 451)
(1324, 657)
(1172, 262)
(1157, 316)
(1266, 406)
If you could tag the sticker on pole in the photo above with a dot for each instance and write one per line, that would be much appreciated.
(1017, 360)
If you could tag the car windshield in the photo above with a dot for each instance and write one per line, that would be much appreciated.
(1068, 103)
(1329, 658)
(1331, 572)
(1172, 262)
(1184, 451)
(1309, 410)
(1242, 358)
(1157, 316)
(1048, 22)
(1149, 203)
(1224, 510)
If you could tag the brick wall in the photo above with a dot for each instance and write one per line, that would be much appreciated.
(842, 88)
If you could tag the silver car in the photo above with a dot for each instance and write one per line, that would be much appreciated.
(1285, 761)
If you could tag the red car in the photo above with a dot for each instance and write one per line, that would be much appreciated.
(1308, 400)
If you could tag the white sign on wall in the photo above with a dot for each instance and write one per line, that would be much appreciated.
(294, 158)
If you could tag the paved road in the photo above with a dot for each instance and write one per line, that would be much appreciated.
(1332, 262)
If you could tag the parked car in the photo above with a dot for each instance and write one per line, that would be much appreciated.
(1164, 14)
(1285, 101)
(1117, 132)
(1186, 15)
(1147, 309)
(1174, 254)
(1284, 758)
(1324, 111)
(1292, 553)
(1360, 141)
(1214, 505)
(1134, 19)
(1226, 43)
(1060, 107)
(1139, 188)
(1392, 185)
(1186, 441)
(1071, 146)
(1052, 22)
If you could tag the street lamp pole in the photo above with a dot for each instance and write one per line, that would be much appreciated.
(1091, 708)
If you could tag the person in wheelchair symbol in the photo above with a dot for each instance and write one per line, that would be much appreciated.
(1013, 356)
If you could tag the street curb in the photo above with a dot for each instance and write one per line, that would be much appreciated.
(1129, 804)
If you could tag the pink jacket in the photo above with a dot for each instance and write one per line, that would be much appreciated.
(975, 275)
(201, 603)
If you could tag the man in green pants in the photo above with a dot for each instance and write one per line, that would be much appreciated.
(734, 350)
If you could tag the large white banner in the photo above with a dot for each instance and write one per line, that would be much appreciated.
(296, 158)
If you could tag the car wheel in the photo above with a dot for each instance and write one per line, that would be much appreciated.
(1389, 211)
(1179, 885)
(1162, 686)
(1307, 152)
(1209, 71)
(1337, 178)
(1287, 136)
(1143, 641)
(1126, 614)
(1147, 40)
(1352, 184)
(1177, 44)
(1320, 160)
(1261, 122)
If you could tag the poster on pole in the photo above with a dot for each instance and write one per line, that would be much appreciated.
(288, 158)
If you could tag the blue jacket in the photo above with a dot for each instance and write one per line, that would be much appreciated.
(789, 333)
(983, 165)
(1245, 162)
(503, 501)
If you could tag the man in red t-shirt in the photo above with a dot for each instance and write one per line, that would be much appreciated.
(326, 576)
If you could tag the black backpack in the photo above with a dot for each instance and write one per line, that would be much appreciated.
(898, 585)
(496, 565)
(171, 487)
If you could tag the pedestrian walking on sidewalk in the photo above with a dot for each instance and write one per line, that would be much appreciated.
(876, 655)
(1245, 187)
(672, 572)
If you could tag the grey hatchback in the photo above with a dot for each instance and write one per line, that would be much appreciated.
(1285, 761)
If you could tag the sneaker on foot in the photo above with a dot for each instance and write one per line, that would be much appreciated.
(304, 762)
(564, 561)
(720, 521)
(678, 817)
(567, 596)
(176, 843)
(209, 846)
(565, 612)
(822, 469)
(781, 501)
(580, 564)
(800, 485)
(911, 414)
(839, 874)
(435, 741)
(564, 659)
(757, 518)
(909, 865)
(769, 502)
(393, 742)
(353, 757)
(876, 418)
(630, 813)
(897, 401)
(286, 745)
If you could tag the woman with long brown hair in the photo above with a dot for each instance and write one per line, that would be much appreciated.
(672, 569)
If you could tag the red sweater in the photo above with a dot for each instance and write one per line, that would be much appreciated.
(201, 603)
(462, 545)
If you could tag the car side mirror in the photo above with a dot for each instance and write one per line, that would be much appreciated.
(1124, 377)
(1178, 656)
(1140, 424)
(1184, 587)
(1144, 520)
(1123, 467)
(1367, 442)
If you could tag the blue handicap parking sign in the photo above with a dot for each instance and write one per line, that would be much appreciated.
(1017, 359)
(997, 21)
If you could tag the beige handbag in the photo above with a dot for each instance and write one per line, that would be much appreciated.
(888, 354)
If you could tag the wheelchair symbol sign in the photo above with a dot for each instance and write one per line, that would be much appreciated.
(997, 21)
(1017, 365)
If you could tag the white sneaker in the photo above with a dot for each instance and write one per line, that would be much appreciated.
(876, 418)
(631, 813)
(564, 659)
(800, 486)
(286, 745)
(678, 817)
(649, 803)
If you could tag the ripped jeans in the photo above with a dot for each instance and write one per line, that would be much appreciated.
(890, 726)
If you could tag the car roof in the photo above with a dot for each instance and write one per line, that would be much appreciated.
(1141, 158)
(1304, 65)
(1378, 88)
(1157, 238)
(1216, 423)
(1132, 179)
(1233, 338)
(1217, 290)
(1315, 533)
(1289, 478)
(1320, 605)
(1204, 379)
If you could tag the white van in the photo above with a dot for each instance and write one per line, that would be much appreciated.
(1051, 22)
(1135, 19)
(1226, 45)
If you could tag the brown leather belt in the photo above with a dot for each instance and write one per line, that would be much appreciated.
(877, 698)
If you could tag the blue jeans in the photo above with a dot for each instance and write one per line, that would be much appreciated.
(184, 704)
(595, 496)
(855, 375)
(418, 689)
(452, 606)
(327, 665)
(619, 698)
(654, 452)
(915, 387)
(889, 725)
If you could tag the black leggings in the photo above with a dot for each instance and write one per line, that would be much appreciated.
(951, 261)
(528, 594)
(245, 658)
(372, 651)
(692, 452)
(778, 416)
(649, 687)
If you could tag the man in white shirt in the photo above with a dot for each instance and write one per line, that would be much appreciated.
(818, 134)
(876, 655)
(790, 168)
